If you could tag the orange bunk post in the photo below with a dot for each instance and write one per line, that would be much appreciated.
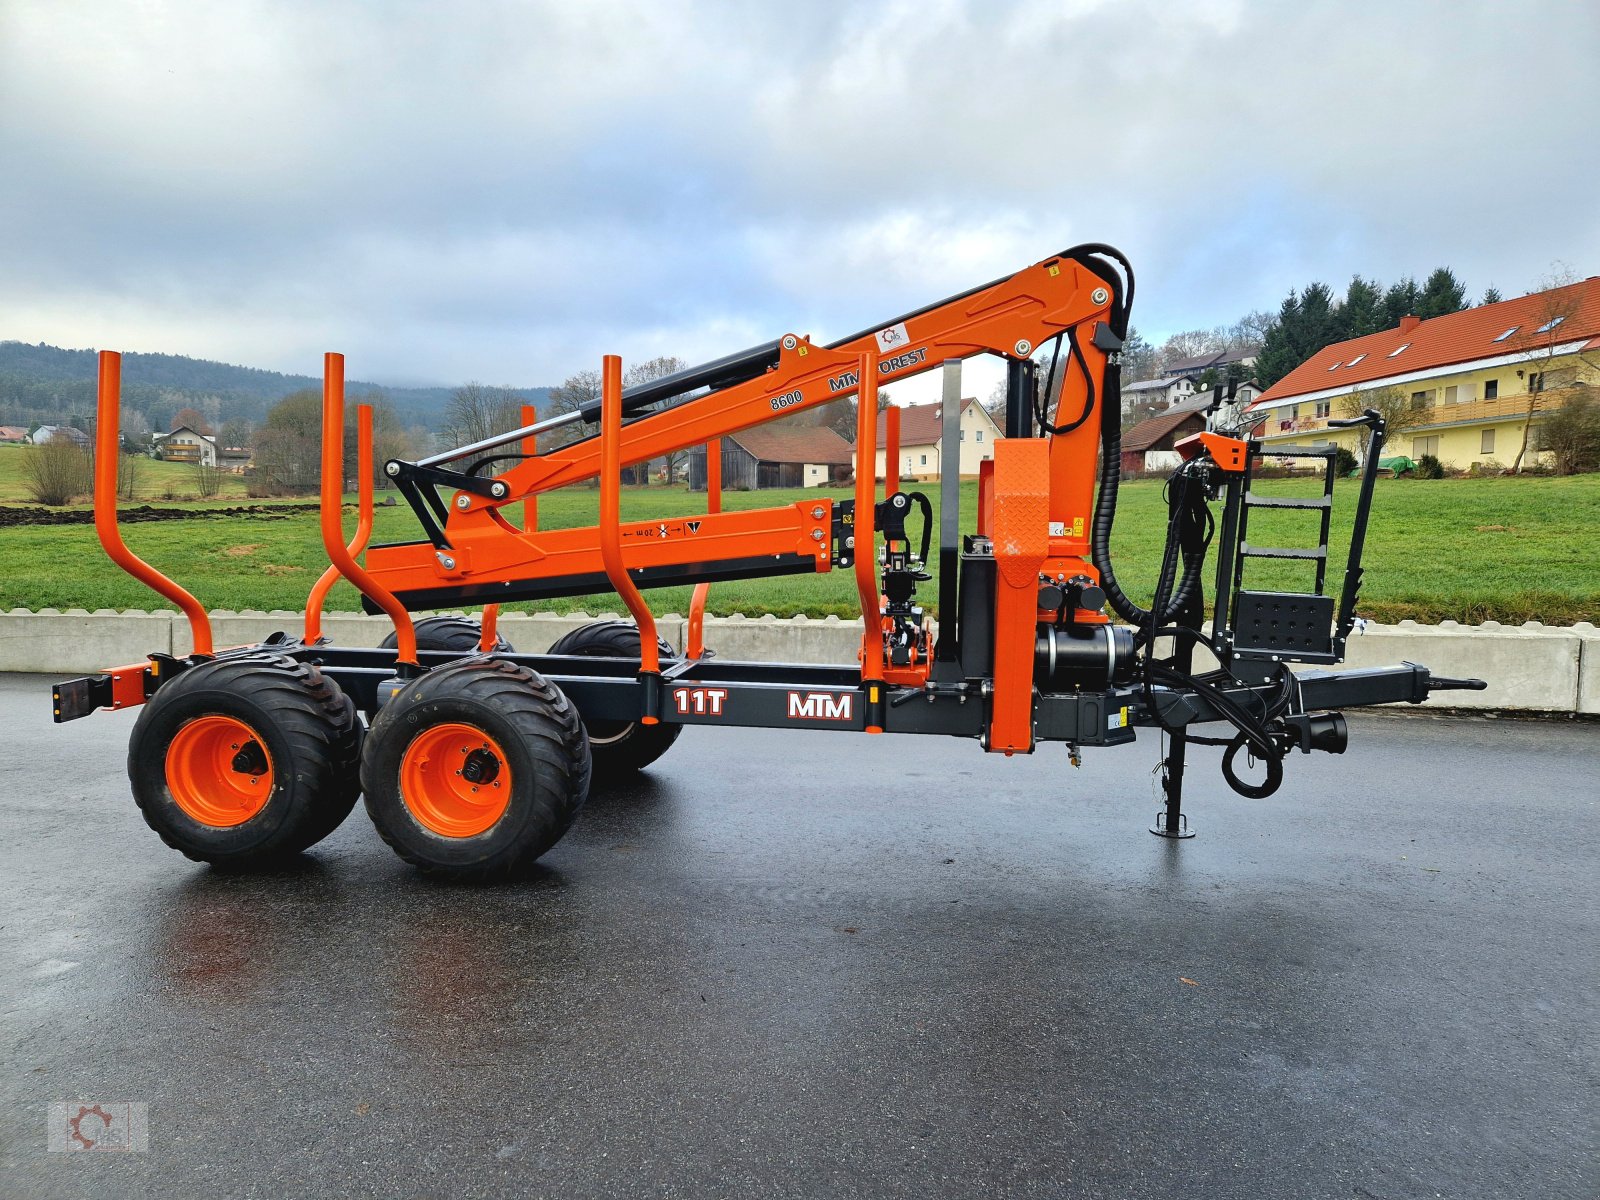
(358, 544)
(332, 510)
(108, 414)
(891, 451)
(530, 448)
(697, 606)
(611, 536)
(530, 522)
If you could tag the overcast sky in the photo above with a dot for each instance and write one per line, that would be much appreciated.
(505, 191)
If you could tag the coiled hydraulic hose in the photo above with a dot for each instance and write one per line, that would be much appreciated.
(1105, 512)
(1105, 509)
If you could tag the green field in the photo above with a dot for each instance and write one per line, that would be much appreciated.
(1511, 549)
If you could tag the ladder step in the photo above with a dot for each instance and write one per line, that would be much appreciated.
(1255, 501)
(1250, 551)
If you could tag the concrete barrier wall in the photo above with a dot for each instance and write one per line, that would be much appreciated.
(1529, 667)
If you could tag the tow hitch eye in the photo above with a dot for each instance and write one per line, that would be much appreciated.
(480, 767)
(1325, 731)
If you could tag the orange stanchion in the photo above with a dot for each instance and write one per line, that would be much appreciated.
(865, 536)
(611, 527)
(530, 446)
(891, 451)
(530, 522)
(332, 511)
(358, 544)
(108, 447)
(697, 604)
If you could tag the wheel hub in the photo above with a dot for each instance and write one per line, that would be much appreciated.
(218, 771)
(455, 780)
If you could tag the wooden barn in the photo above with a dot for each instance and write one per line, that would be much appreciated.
(1148, 446)
(776, 456)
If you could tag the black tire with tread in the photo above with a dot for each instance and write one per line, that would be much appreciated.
(544, 742)
(449, 633)
(619, 748)
(309, 729)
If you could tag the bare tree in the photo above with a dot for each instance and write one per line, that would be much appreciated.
(1250, 330)
(1192, 343)
(477, 411)
(234, 432)
(193, 418)
(128, 471)
(1572, 432)
(576, 393)
(135, 425)
(207, 479)
(646, 372)
(1392, 403)
(288, 446)
(1557, 302)
(58, 472)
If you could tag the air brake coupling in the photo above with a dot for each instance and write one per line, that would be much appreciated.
(1082, 656)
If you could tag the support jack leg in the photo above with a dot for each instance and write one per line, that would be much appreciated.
(1170, 821)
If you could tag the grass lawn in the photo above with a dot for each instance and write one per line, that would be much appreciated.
(1510, 549)
(154, 483)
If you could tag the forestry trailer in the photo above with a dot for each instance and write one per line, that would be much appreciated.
(474, 759)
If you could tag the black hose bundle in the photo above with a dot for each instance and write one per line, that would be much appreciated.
(1189, 525)
(1189, 531)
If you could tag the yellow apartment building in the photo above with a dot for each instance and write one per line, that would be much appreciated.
(1470, 375)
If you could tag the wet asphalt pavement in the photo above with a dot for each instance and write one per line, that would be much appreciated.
(823, 965)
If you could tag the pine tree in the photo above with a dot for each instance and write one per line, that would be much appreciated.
(1138, 358)
(1278, 354)
(1491, 295)
(1362, 310)
(1400, 301)
(1442, 294)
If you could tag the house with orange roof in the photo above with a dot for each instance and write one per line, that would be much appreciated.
(1475, 378)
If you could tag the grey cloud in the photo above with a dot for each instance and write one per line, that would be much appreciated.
(507, 191)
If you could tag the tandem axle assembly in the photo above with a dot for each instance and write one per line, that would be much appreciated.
(474, 759)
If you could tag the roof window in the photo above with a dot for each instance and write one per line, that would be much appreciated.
(1550, 324)
(1355, 360)
(1336, 366)
(1397, 349)
(1508, 333)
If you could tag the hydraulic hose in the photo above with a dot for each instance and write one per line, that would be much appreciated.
(1105, 513)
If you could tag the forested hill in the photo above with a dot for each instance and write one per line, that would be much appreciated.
(47, 383)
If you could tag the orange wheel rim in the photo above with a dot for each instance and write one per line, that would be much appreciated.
(455, 780)
(219, 771)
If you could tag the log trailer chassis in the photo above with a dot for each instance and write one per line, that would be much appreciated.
(474, 759)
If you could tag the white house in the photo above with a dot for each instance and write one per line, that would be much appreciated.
(184, 444)
(46, 434)
(922, 435)
(1169, 390)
